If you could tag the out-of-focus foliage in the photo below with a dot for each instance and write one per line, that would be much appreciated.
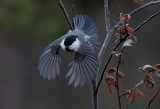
(41, 18)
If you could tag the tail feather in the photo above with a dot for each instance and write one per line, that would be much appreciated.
(87, 26)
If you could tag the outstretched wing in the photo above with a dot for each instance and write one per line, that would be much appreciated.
(49, 60)
(84, 67)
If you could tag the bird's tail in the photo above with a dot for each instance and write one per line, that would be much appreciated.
(87, 26)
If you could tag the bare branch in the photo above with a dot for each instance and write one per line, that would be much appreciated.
(139, 26)
(117, 80)
(144, 6)
(106, 12)
(115, 4)
(152, 99)
(65, 14)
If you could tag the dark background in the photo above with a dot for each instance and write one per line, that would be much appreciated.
(28, 26)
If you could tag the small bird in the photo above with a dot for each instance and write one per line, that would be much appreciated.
(82, 41)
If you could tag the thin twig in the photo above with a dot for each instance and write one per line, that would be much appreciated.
(144, 6)
(65, 14)
(124, 94)
(73, 12)
(117, 80)
(115, 4)
(152, 99)
(139, 26)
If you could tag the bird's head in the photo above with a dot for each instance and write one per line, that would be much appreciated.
(70, 43)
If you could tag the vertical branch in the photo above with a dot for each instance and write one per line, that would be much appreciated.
(94, 94)
(106, 12)
(109, 32)
(65, 14)
(117, 80)
(73, 10)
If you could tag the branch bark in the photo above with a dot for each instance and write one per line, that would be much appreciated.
(65, 14)
(153, 98)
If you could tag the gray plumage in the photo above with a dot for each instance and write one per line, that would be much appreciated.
(82, 41)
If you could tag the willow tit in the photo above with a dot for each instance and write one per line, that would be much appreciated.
(82, 41)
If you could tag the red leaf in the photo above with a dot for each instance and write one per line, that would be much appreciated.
(157, 66)
(130, 31)
(125, 31)
(121, 60)
(128, 17)
(111, 70)
(134, 38)
(122, 18)
(147, 73)
(158, 71)
(119, 28)
(139, 93)
(148, 68)
(120, 73)
(119, 76)
(129, 42)
(112, 82)
(131, 98)
(118, 36)
(110, 90)
(117, 41)
(114, 52)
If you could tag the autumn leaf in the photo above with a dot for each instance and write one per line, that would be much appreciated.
(128, 17)
(110, 90)
(110, 80)
(111, 70)
(125, 31)
(122, 18)
(134, 38)
(129, 42)
(119, 28)
(130, 31)
(148, 80)
(139, 93)
(131, 98)
(114, 52)
(117, 41)
(147, 68)
(157, 66)
(120, 74)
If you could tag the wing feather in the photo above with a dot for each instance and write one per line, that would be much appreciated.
(49, 60)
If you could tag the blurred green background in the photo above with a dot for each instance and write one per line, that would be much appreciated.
(28, 26)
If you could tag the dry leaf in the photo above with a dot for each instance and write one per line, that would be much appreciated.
(111, 70)
(129, 42)
(139, 93)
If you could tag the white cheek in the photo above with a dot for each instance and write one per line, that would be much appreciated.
(75, 46)
(62, 45)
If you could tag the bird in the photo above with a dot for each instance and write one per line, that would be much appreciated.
(82, 41)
